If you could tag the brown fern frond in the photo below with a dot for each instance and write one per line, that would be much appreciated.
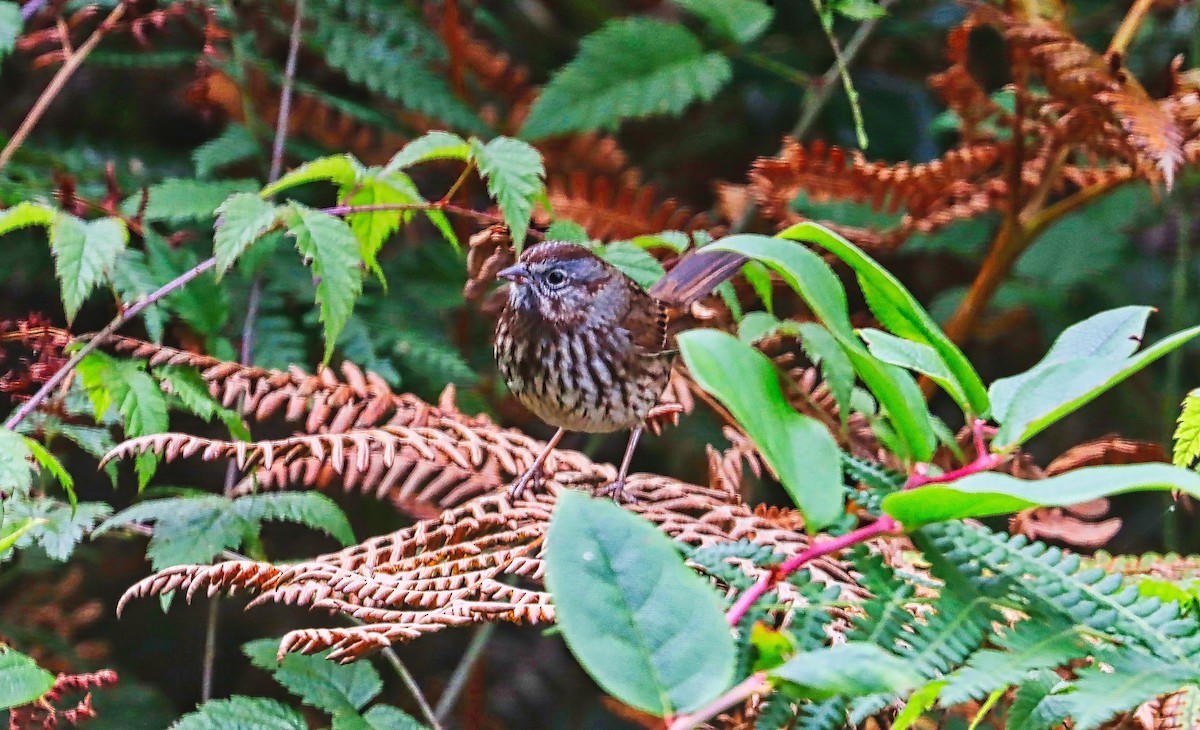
(609, 209)
(455, 569)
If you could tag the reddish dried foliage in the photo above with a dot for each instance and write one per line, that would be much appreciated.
(45, 714)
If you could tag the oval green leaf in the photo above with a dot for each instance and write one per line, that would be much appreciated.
(21, 680)
(853, 669)
(991, 493)
(650, 631)
(798, 449)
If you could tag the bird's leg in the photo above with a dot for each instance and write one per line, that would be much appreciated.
(533, 475)
(616, 490)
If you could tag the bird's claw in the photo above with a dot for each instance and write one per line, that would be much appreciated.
(616, 490)
(531, 478)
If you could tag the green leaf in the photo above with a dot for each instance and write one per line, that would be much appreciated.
(1187, 433)
(25, 214)
(897, 309)
(740, 21)
(824, 351)
(318, 682)
(311, 509)
(373, 227)
(232, 145)
(10, 27)
(629, 69)
(1099, 695)
(676, 241)
(21, 680)
(85, 253)
(188, 385)
(618, 585)
(565, 230)
(15, 457)
(1067, 386)
(434, 145)
(52, 465)
(330, 244)
(242, 713)
(914, 356)
(633, 261)
(1028, 711)
(184, 201)
(992, 493)
(133, 280)
(918, 703)
(515, 178)
(853, 669)
(860, 10)
(821, 290)
(62, 526)
(1115, 333)
(386, 717)
(799, 450)
(241, 220)
(760, 278)
(342, 170)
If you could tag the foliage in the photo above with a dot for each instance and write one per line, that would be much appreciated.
(299, 220)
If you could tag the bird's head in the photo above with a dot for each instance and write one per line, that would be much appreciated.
(564, 283)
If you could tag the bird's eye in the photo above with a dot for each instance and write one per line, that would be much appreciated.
(556, 278)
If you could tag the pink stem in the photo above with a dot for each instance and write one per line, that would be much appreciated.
(884, 525)
(756, 683)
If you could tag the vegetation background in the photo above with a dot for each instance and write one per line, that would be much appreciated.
(650, 116)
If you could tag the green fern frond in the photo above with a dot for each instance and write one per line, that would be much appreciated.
(1187, 433)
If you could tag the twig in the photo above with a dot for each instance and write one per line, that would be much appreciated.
(285, 94)
(406, 677)
(984, 461)
(756, 683)
(57, 83)
(96, 340)
(462, 672)
(1129, 26)
(824, 87)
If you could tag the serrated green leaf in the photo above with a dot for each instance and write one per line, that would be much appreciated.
(565, 230)
(916, 356)
(138, 399)
(318, 682)
(897, 309)
(853, 669)
(1115, 333)
(823, 350)
(241, 220)
(21, 680)
(183, 201)
(1029, 711)
(633, 261)
(341, 170)
(373, 227)
(1187, 433)
(815, 282)
(617, 585)
(15, 456)
(12, 532)
(133, 280)
(436, 145)
(25, 214)
(629, 69)
(188, 385)
(85, 253)
(1099, 695)
(234, 144)
(740, 21)
(515, 178)
(10, 27)
(311, 509)
(329, 243)
(386, 717)
(47, 461)
(992, 493)
(799, 450)
(242, 713)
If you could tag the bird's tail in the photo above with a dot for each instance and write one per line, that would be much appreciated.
(696, 275)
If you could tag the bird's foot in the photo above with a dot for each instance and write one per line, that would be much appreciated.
(531, 478)
(616, 490)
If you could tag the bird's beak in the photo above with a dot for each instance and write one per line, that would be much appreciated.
(516, 273)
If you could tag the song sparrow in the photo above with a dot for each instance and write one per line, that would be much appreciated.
(587, 349)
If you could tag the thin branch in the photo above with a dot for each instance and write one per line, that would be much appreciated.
(285, 95)
(825, 85)
(57, 83)
(756, 683)
(97, 339)
(462, 672)
(343, 210)
(1129, 27)
(409, 682)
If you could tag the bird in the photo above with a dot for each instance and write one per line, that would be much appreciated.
(586, 348)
